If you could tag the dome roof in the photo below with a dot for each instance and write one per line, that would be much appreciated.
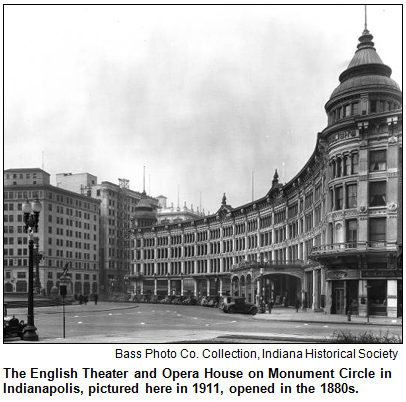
(365, 81)
(366, 69)
(144, 204)
(144, 209)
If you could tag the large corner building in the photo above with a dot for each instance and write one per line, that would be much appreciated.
(331, 237)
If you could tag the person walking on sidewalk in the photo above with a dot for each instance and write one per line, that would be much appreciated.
(270, 306)
(297, 304)
(95, 298)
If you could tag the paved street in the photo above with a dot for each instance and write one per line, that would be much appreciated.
(158, 323)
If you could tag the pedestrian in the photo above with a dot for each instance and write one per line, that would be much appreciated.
(270, 305)
(80, 299)
(95, 297)
(297, 304)
(85, 299)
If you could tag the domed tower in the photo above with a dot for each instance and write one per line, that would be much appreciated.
(144, 213)
(363, 145)
(365, 86)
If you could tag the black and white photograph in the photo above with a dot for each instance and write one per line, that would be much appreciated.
(213, 174)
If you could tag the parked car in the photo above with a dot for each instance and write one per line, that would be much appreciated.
(239, 305)
(12, 326)
(225, 300)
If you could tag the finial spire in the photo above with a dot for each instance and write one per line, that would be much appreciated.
(366, 29)
(143, 182)
(275, 178)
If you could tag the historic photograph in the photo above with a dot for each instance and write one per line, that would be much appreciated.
(202, 174)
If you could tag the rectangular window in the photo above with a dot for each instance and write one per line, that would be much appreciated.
(355, 109)
(377, 229)
(364, 107)
(377, 160)
(338, 167)
(347, 110)
(339, 198)
(352, 233)
(377, 194)
(347, 165)
(352, 196)
(373, 107)
(354, 163)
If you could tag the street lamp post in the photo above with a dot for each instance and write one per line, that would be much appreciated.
(31, 218)
(37, 259)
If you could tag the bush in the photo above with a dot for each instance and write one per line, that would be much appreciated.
(364, 337)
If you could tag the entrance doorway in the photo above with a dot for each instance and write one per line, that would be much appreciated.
(338, 302)
(283, 289)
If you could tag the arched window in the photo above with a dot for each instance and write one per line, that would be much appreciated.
(21, 286)
(8, 287)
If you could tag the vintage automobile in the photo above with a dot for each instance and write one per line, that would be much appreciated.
(12, 326)
(239, 305)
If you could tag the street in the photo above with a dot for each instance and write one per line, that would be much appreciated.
(164, 323)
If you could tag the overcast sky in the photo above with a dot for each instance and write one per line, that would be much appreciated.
(201, 95)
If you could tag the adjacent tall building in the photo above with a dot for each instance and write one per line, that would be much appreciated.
(331, 237)
(68, 234)
(118, 203)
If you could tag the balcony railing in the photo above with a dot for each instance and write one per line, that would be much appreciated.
(352, 246)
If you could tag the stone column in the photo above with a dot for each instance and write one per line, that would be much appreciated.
(323, 286)
(155, 286)
(221, 287)
(142, 286)
(362, 298)
(181, 286)
(329, 296)
(257, 301)
(392, 298)
(195, 287)
(208, 287)
(316, 296)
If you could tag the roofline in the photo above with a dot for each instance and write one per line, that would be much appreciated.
(26, 170)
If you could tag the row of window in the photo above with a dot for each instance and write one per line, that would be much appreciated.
(376, 233)
(22, 195)
(377, 196)
(344, 165)
(337, 197)
(21, 176)
(353, 109)
(348, 164)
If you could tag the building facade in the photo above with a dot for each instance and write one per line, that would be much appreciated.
(117, 205)
(174, 215)
(68, 234)
(331, 237)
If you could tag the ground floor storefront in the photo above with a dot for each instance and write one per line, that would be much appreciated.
(365, 292)
(361, 293)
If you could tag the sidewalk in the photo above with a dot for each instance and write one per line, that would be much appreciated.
(290, 314)
(176, 336)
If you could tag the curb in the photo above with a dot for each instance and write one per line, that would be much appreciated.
(315, 321)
